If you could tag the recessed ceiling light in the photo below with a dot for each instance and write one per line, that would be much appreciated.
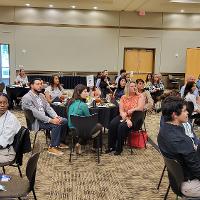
(182, 11)
(95, 7)
(50, 6)
(27, 4)
(73, 7)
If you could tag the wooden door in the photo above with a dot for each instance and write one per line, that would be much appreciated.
(193, 62)
(139, 62)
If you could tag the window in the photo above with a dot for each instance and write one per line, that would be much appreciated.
(4, 64)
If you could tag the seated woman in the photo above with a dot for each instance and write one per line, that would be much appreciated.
(148, 81)
(156, 88)
(120, 126)
(54, 92)
(119, 92)
(21, 79)
(189, 96)
(148, 99)
(78, 107)
(9, 127)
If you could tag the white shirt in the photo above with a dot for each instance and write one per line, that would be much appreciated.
(188, 130)
(22, 80)
(9, 127)
(196, 92)
(55, 92)
(193, 99)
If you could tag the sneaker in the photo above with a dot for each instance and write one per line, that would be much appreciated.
(63, 146)
(55, 151)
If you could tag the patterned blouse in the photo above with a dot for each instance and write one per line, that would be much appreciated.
(153, 86)
(129, 102)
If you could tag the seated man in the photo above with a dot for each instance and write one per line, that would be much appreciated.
(9, 127)
(175, 144)
(45, 116)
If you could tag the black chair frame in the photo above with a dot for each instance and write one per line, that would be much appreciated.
(84, 125)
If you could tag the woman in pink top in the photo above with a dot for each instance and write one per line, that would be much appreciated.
(120, 126)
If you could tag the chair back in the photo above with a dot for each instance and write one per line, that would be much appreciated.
(18, 144)
(31, 169)
(175, 175)
(29, 118)
(84, 125)
(137, 119)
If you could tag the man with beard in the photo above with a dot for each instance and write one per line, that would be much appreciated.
(45, 117)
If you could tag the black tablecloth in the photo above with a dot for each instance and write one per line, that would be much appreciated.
(60, 110)
(15, 92)
(105, 114)
(69, 82)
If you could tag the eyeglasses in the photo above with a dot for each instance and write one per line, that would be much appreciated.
(3, 103)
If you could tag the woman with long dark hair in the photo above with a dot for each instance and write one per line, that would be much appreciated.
(119, 92)
(189, 95)
(54, 92)
(78, 107)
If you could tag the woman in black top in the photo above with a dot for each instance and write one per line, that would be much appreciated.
(119, 92)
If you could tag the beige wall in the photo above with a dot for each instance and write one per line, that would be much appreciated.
(73, 40)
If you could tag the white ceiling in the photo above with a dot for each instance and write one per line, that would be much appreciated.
(116, 5)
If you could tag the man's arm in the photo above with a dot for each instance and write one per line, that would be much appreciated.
(28, 105)
(189, 155)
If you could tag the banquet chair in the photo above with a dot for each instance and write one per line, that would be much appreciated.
(83, 126)
(29, 121)
(18, 146)
(18, 187)
(176, 178)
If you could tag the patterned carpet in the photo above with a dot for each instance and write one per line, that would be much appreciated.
(116, 178)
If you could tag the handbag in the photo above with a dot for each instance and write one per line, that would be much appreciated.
(138, 139)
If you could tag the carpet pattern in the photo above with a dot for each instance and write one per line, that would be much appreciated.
(116, 178)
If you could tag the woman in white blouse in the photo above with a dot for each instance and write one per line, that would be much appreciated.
(21, 79)
(9, 127)
(54, 92)
(189, 95)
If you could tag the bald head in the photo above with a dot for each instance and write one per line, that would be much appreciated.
(190, 79)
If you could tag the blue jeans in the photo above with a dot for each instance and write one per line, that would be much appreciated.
(55, 131)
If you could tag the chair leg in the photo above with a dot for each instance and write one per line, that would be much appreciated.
(34, 194)
(166, 194)
(71, 149)
(3, 168)
(98, 155)
(35, 139)
(144, 140)
(161, 177)
(20, 172)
